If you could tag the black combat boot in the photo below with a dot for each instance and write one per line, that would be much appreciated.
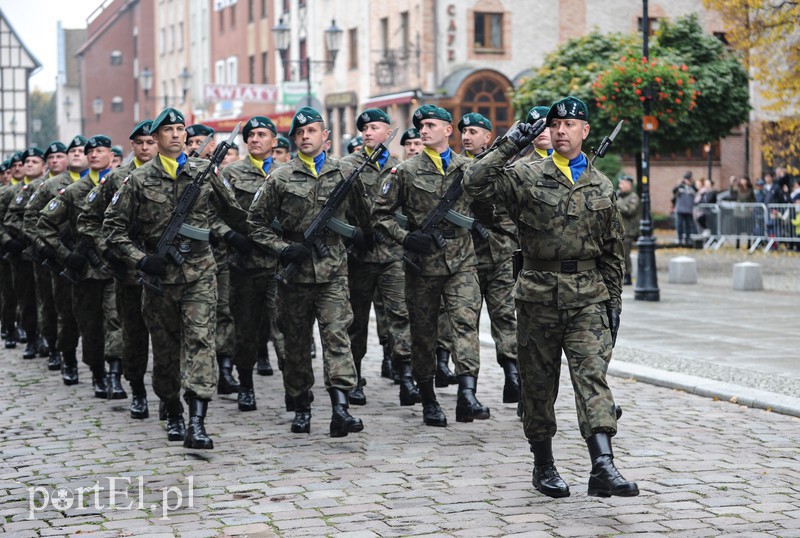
(227, 384)
(289, 401)
(409, 393)
(3, 331)
(302, 413)
(69, 368)
(11, 337)
(116, 392)
(196, 430)
(432, 414)
(545, 475)
(247, 394)
(468, 408)
(511, 387)
(176, 428)
(357, 396)
(54, 359)
(605, 479)
(444, 376)
(342, 422)
(99, 377)
(22, 336)
(42, 347)
(139, 408)
(386, 365)
(30, 349)
(263, 367)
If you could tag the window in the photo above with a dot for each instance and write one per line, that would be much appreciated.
(233, 67)
(250, 9)
(171, 38)
(303, 55)
(180, 35)
(405, 34)
(116, 57)
(264, 67)
(353, 40)
(384, 34)
(287, 7)
(162, 42)
(653, 25)
(287, 72)
(116, 104)
(489, 31)
(233, 16)
(263, 9)
(219, 69)
(252, 66)
(221, 20)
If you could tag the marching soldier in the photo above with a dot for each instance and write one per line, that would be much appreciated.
(116, 157)
(568, 293)
(411, 142)
(253, 284)
(294, 195)
(380, 271)
(416, 187)
(68, 332)
(195, 136)
(542, 146)
(9, 297)
(282, 152)
(93, 289)
(355, 144)
(495, 263)
(182, 321)
(127, 290)
(628, 203)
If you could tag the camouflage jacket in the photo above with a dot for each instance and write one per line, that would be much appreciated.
(7, 193)
(387, 249)
(556, 220)
(630, 210)
(294, 197)
(415, 187)
(63, 210)
(39, 199)
(144, 205)
(13, 221)
(245, 180)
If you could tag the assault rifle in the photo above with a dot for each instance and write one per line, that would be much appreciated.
(313, 235)
(165, 246)
(199, 151)
(606, 143)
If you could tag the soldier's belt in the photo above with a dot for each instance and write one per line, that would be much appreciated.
(184, 247)
(298, 237)
(559, 266)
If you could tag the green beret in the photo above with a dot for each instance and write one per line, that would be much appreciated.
(5, 165)
(568, 108)
(370, 115)
(117, 150)
(78, 142)
(33, 151)
(143, 128)
(198, 129)
(354, 143)
(257, 122)
(54, 147)
(629, 179)
(475, 120)
(303, 117)
(17, 157)
(536, 113)
(431, 112)
(284, 143)
(168, 116)
(409, 134)
(97, 141)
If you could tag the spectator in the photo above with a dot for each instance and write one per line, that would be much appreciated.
(783, 179)
(744, 189)
(707, 194)
(758, 191)
(731, 193)
(795, 195)
(683, 202)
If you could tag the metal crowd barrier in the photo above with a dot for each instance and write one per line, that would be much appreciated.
(757, 224)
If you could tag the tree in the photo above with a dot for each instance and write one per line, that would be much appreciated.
(721, 105)
(43, 113)
(765, 32)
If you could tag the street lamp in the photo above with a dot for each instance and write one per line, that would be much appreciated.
(333, 42)
(186, 82)
(707, 148)
(97, 106)
(646, 279)
(67, 106)
(146, 81)
(13, 125)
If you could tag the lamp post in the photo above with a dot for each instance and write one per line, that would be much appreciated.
(333, 41)
(646, 288)
(97, 106)
(707, 147)
(186, 82)
(67, 106)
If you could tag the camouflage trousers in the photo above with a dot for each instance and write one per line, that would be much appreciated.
(381, 325)
(329, 304)
(68, 332)
(95, 310)
(367, 280)
(182, 325)
(497, 287)
(135, 338)
(25, 288)
(268, 330)
(627, 245)
(444, 338)
(47, 317)
(7, 295)
(253, 307)
(461, 296)
(226, 332)
(584, 336)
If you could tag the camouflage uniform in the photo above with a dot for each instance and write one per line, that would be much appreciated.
(93, 300)
(226, 330)
(253, 284)
(182, 322)
(9, 294)
(415, 187)
(560, 305)
(128, 291)
(293, 196)
(628, 204)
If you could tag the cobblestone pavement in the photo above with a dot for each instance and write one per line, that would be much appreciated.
(705, 467)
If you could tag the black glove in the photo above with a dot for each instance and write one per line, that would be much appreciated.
(483, 212)
(521, 135)
(363, 241)
(75, 261)
(295, 253)
(613, 323)
(153, 265)
(15, 246)
(239, 241)
(419, 242)
(47, 252)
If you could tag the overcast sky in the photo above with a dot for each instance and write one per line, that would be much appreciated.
(34, 21)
